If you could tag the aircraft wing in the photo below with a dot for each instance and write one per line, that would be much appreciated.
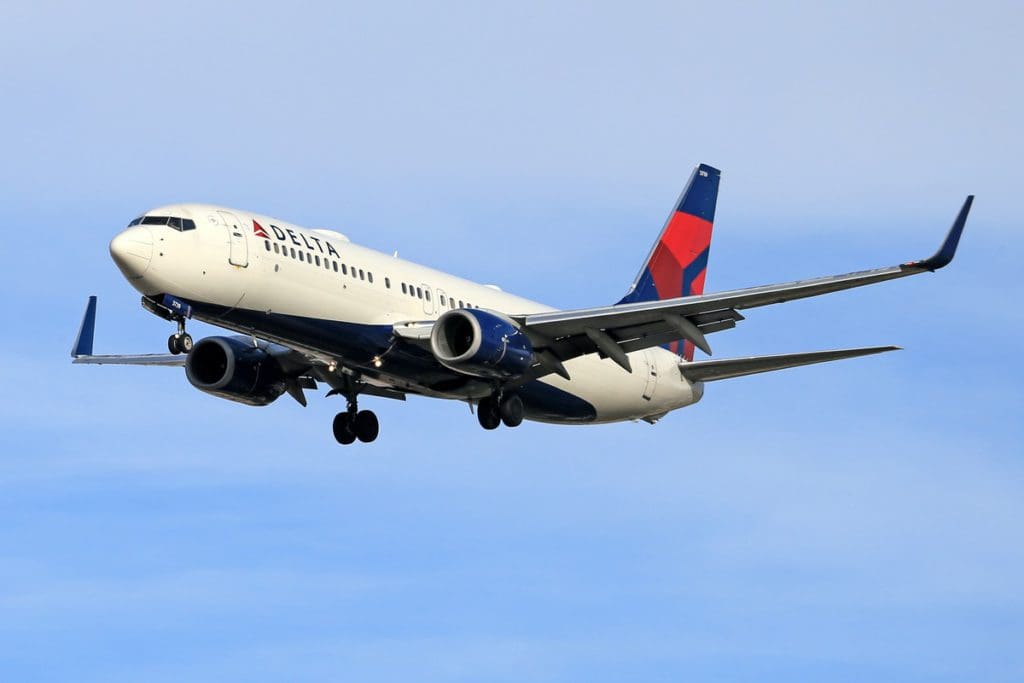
(81, 352)
(614, 331)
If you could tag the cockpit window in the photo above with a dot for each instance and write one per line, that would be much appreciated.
(135, 222)
(179, 224)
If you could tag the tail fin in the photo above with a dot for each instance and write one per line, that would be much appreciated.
(677, 264)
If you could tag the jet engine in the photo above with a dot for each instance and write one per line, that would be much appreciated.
(481, 343)
(232, 368)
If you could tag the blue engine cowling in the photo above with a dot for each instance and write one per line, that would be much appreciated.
(481, 343)
(232, 368)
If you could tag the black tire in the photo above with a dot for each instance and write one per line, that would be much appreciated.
(343, 428)
(366, 426)
(487, 413)
(512, 411)
(172, 345)
(185, 343)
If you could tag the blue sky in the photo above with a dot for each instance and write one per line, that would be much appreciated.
(853, 520)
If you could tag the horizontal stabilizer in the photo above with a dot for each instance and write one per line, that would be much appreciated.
(711, 370)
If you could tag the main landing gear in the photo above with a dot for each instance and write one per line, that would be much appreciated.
(496, 410)
(355, 424)
(180, 341)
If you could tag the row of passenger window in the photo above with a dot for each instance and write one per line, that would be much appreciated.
(179, 224)
(446, 301)
(330, 264)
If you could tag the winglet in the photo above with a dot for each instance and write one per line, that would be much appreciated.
(83, 342)
(944, 255)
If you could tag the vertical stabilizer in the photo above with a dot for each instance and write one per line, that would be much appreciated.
(678, 262)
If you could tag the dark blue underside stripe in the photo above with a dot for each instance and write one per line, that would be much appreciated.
(359, 344)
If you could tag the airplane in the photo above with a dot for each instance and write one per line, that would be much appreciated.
(309, 306)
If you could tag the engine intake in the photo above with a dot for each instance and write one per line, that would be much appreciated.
(481, 343)
(232, 368)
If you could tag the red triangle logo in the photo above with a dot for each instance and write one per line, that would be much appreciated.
(259, 231)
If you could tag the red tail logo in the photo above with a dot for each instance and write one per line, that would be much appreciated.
(258, 230)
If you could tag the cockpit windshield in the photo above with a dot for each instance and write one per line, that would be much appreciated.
(179, 224)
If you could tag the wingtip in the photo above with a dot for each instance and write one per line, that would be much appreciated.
(944, 256)
(83, 342)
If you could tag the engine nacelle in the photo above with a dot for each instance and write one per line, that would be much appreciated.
(481, 343)
(232, 368)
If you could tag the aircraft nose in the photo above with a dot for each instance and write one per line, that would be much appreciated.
(132, 251)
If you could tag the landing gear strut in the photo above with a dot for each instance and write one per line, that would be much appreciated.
(180, 341)
(355, 424)
(496, 410)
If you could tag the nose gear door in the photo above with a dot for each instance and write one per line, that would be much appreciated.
(239, 246)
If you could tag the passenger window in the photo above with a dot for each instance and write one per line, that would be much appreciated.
(302, 256)
(387, 282)
(426, 295)
(267, 242)
(317, 260)
(335, 264)
(444, 302)
(461, 305)
(277, 249)
(293, 252)
(369, 277)
(403, 289)
(344, 269)
(419, 292)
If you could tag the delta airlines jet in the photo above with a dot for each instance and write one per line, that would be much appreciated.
(310, 307)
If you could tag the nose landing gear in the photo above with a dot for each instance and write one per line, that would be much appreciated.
(180, 341)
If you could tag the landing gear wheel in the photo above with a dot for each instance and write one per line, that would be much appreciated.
(511, 411)
(343, 428)
(179, 343)
(487, 413)
(366, 426)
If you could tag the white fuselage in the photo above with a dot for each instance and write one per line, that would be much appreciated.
(244, 272)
